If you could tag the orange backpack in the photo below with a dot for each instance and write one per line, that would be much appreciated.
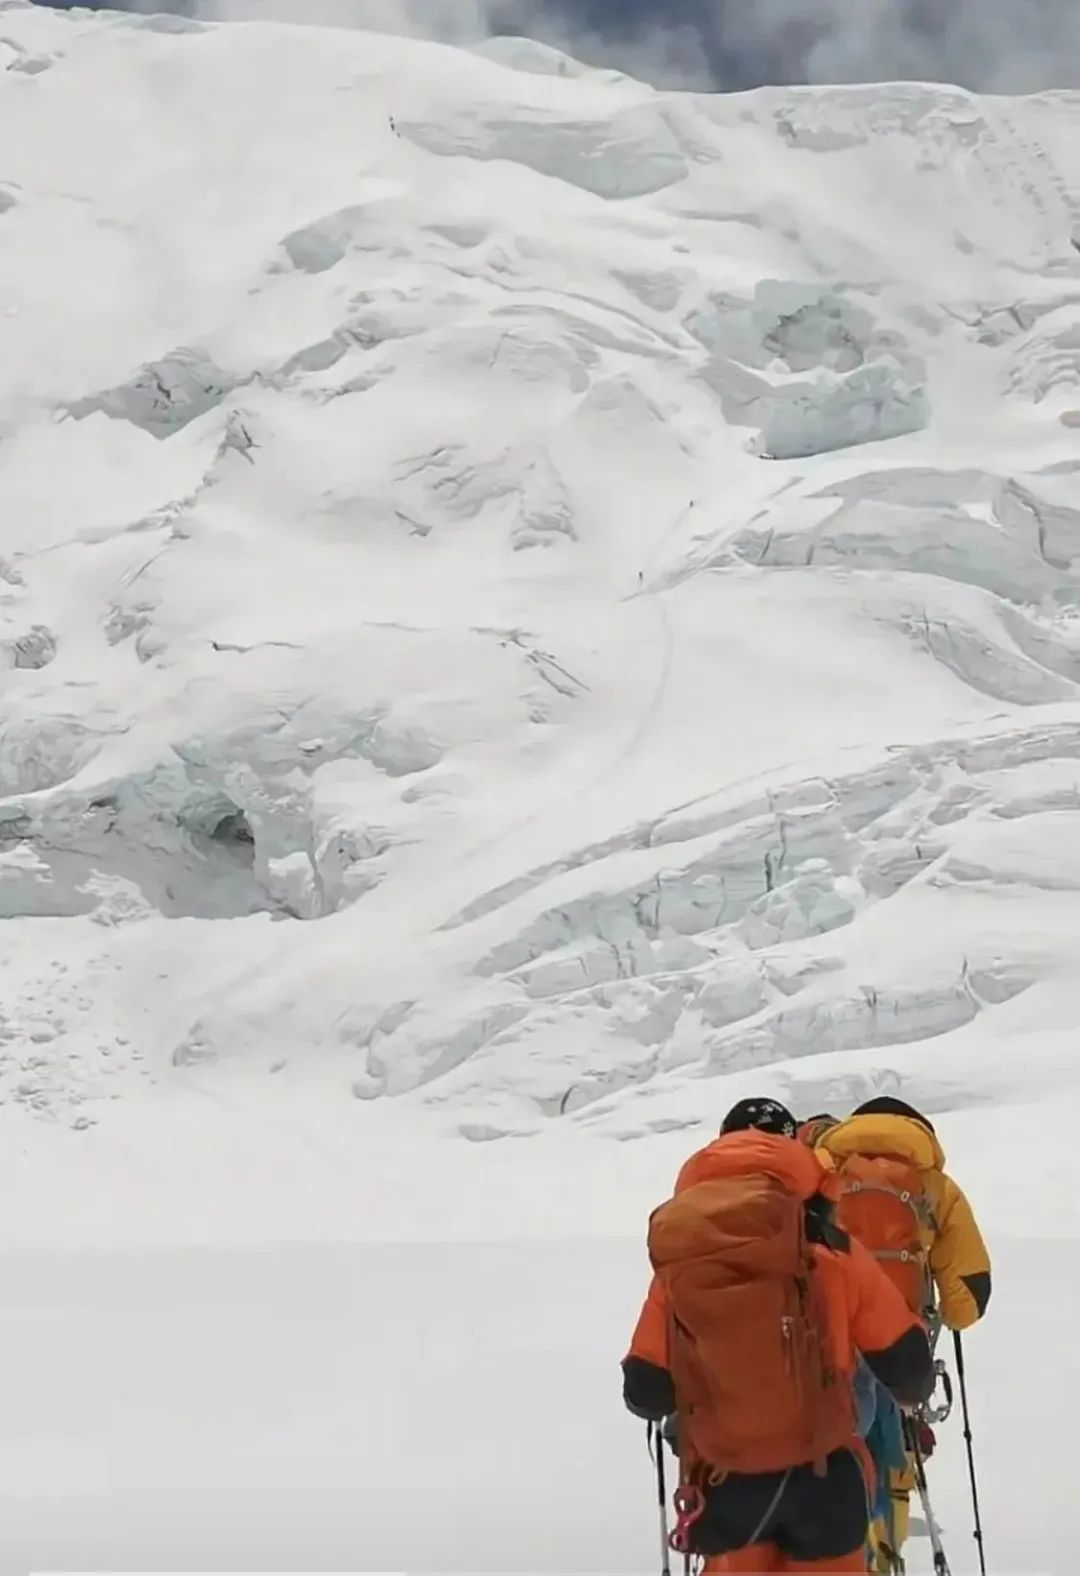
(755, 1389)
(881, 1202)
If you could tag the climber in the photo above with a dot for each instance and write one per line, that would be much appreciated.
(878, 1418)
(811, 1131)
(750, 1335)
(893, 1195)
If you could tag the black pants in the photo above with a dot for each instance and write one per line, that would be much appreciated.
(814, 1518)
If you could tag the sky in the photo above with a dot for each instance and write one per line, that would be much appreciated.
(993, 45)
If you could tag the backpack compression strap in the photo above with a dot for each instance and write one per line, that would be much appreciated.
(924, 1216)
(915, 1202)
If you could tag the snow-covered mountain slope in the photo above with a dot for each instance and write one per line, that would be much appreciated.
(529, 607)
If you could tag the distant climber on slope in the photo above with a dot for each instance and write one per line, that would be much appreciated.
(749, 1337)
(893, 1195)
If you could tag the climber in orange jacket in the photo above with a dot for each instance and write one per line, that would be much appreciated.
(762, 1396)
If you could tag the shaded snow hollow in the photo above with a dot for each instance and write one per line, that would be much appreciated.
(566, 596)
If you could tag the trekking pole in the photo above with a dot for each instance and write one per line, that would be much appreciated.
(958, 1346)
(661, 1489)
(941, 1563)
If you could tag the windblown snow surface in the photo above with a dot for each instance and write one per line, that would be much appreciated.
(530, 608)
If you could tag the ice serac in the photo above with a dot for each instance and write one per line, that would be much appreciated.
(522, 595)
(164, 396)
(813, 371)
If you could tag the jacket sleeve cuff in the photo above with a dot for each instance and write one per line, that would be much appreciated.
(979, 1287)
(648, 1391)
(906, 1368)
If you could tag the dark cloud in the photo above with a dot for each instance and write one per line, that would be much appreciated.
(996, 45)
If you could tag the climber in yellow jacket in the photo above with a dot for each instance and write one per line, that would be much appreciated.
(893, 1193)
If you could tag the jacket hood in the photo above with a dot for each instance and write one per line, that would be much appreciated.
(750, 1151)
(889, 1105)
(882, 1133)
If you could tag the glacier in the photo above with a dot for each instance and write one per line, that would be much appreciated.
(530, 608)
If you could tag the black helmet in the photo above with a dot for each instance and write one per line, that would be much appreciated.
(768, 1116)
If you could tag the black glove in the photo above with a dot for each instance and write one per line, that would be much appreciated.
(648, 1390)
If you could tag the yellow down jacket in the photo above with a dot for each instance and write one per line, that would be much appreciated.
(957, 1255)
